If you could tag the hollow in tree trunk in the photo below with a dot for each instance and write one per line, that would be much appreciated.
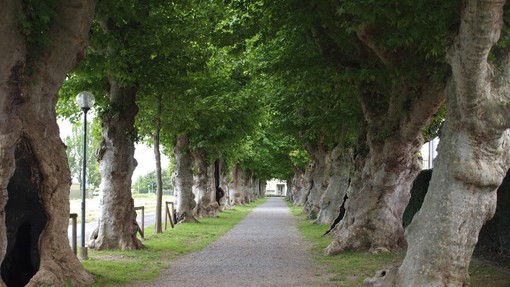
(222, 193)
(117, 226)
(34, 172)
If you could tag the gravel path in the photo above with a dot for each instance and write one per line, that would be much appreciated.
(264, 249)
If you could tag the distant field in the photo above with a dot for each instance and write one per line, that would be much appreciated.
(92, 205)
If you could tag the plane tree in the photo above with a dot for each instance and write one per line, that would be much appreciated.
(185, 38)
(219, 114)
(398, 79)
(41, 42)
(473, 154)
(136, 48)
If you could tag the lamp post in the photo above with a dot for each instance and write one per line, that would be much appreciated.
(85, 100)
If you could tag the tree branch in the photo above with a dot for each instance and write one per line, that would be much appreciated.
(68, 35)
(423, 108)
(481, 24)
(365, 35)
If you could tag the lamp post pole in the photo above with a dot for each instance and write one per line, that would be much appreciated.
(85, 100)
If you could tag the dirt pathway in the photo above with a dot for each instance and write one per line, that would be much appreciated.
(264, 249)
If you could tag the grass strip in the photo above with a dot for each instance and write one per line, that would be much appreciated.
(118, 268)
(351, 268)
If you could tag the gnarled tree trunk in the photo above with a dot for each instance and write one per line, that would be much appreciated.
(117, 226)
(299, 186)
(239, 186)
(474, 155)
(34, 173)
(223, 189)
(373, 217)
(205, 187)
(289, 196)
(183, 180)
(341, 164)
(318, 178)
(251, 186)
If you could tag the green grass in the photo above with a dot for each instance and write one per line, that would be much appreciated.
(351, 268)
(117, 268)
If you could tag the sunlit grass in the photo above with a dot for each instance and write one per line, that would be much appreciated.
(117, 268)
(351, 268)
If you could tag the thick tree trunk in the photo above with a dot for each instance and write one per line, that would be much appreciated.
(205, 186)
(341, 164)
(183, 180)
(289, 196)
(300, 186)
(223, 189)
(239, 191)
(262, 188)
(231, 185)
(34, 173)
(117, 226)
(159, 178)
(319, 180)
(250, 186)
(373, 218)
(474, 155)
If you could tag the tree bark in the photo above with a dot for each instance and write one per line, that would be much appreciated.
(262, 188)
(157, 155)
(239, 191)
(225, 200)
(205, 186)
(250, 186)
(183, 180)
(29, 83)
(373, 218)
(299, 186)
(332, 199)
(472, 161)
(117, 226)
(289, 196)
(318, 178)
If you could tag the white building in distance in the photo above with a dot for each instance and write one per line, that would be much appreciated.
(276, 187)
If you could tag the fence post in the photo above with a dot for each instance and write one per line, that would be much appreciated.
(169, 213)
(74, 235)
(166, 214)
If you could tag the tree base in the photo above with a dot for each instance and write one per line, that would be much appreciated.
(187, 218)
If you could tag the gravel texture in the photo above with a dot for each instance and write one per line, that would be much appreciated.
(264, 249)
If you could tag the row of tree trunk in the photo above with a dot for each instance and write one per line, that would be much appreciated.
(473, 158)
(209, 190)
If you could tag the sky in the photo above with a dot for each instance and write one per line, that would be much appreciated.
(144, 155)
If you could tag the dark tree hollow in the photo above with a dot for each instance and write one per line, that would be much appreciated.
(25, 219)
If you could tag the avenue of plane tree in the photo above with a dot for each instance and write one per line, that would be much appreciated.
(336, 97)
